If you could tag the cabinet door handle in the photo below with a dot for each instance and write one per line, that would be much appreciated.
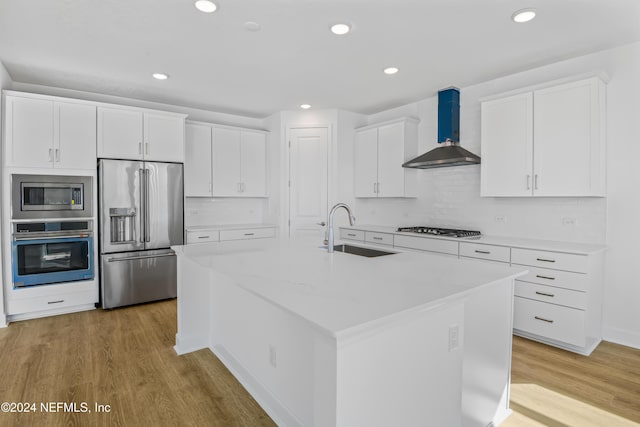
(378, 238)
(543, 319)
(204, 237)
(535, 182)
(545, 294)
(55, 302)
(351, 235)
(139, 147)
(210, 187)
(545, 277)
(375, 188)
(482, 252)
(528, 182)
(243, 186)
(545, 260)
(51, 155)
(249, 234)
(58, 155)
(146, 148)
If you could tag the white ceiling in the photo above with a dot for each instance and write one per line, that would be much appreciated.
(113, 47)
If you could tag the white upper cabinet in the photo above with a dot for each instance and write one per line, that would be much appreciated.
(223, 161)
(507, 146)
(380, 151)
(44, 132)
(197, 162)
(140, 135)
(547, 142)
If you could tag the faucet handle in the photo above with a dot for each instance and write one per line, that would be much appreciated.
(322, 223)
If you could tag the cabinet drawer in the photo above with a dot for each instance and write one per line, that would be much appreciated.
(203, 236)
(426, 244)
(352, 234)
(550, 321)
(51, 302)
(378, 238)
(250, 233)
(558, 278)
(488, 252)
(551, 294)
(554, 260)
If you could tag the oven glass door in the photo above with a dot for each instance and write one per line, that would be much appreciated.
(52, 260)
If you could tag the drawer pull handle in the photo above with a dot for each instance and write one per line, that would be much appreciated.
(55, 302)
(249, 234)
(545, 294)
(482, 252)
(546, 260)
(377, 238)
(204, 237)
(543, 319)
(545, 277)
(351, 235)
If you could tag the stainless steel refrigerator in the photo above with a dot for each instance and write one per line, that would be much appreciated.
(141, 216)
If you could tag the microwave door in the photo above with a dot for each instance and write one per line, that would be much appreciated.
(121, 211)
(164, 205)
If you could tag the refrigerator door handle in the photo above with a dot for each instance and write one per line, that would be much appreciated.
(143, 230)
(147, 231)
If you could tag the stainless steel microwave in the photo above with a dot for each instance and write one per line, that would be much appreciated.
(51, 196)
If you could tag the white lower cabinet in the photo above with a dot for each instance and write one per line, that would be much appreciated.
(222, 234)
(559, 300)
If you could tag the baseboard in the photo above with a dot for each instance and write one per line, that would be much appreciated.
(267, 400)
(3, 321)
(186, 345)
(47, 313)
(622, 337)
(592, 343)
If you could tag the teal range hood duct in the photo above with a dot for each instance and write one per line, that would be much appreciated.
(449, 153)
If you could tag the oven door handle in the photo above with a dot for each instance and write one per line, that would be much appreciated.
(131, 258)
(18, 238)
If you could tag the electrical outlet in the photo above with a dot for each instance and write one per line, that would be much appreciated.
(272, 356)
(500, 219)
(569, 221)
(454, 337)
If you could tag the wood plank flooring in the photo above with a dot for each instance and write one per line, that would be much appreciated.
(124, 358)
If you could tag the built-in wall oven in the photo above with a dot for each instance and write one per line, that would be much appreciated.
(50, 196)
(52, 252)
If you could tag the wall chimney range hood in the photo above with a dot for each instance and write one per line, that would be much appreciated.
(449, 153)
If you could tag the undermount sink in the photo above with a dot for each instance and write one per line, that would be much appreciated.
(356, 250)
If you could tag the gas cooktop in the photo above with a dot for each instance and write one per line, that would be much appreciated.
(448, 232)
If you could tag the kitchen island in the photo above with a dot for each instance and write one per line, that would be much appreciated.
(323, 339)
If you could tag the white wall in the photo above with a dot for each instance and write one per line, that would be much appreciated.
(450, 196)
(5, 83)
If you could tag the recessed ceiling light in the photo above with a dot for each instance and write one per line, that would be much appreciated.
(252, 26)
(340, 29)
(524, 15)
(305, 106)
(205, 6)
(390, 70)
(160, 76)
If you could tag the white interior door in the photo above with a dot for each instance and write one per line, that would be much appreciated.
(308, 175)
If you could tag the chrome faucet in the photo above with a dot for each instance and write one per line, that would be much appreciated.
(352, 221)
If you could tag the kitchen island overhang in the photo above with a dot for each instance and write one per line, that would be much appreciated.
(337, 339)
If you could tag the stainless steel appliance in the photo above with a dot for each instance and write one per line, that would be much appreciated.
(449, 152)
(141, 216)
(437, 231)
(52, 252)
(50, 196)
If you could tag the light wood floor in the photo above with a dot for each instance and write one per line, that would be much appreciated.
(124, 358)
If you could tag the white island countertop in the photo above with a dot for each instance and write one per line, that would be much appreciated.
(341, 293)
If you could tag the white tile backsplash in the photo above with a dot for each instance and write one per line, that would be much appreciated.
(221, 211)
